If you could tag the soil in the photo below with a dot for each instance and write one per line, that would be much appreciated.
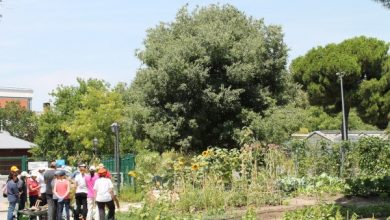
(276, 212)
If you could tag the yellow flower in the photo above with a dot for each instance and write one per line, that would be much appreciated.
(194, 167)
(205, 153)
(132, 173)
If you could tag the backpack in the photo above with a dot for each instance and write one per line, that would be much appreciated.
(5, 190)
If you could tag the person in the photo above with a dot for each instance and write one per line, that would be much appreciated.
(23, 190)
(108, 172)
(81, 193)
(33, 189)
(12, 194)
(48, 177)
(104, 195)
(53, 182)
(90, 180)
(61, 190)
(42, 185)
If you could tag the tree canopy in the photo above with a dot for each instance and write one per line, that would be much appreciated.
(364, 63)
(385, 3)
(19, 121)
(79, 114)
(202, 70)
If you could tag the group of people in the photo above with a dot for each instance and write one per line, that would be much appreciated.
(54, 187)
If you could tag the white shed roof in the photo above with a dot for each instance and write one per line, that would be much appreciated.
(9, 142)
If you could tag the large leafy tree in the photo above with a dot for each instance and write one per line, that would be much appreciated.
(19, 121)
(79, 114)
(201, 71)
(364, 63)
(385, 3)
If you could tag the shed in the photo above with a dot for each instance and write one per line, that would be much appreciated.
(13, 151)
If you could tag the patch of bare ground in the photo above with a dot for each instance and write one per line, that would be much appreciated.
(276, 212)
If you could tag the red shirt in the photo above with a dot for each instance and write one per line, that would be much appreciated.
(61, 187)
(33, 184)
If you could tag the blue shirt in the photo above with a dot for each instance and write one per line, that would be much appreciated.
(12, 191)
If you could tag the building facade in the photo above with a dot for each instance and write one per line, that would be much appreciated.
(23, 96)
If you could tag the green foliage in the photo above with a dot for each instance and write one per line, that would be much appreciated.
(79, 114)
(129, 195)
(385, 3)
(202, 71)
(364, 62)
(320, 212)
(373, 156)
(337, 212)
(19, 121)
(312, 185)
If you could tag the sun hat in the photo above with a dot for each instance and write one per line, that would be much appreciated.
(102, 171)
(34, 173)
(92, 168)
(24, 173)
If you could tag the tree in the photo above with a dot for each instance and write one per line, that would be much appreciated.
(201, 71)
(18, 121)
(79, 114)
(363, 61)
(385, 3)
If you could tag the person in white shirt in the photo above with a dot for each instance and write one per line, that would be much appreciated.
(42, 184)
(81, 193)
(104, 195)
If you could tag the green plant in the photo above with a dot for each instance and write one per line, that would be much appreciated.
(129, 195)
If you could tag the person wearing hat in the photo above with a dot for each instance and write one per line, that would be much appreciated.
(12, 194)
(104, 195)
(14, 169)
(62, 190)
(90, 180)
(108, 175)
(33, 188)
(81, 193)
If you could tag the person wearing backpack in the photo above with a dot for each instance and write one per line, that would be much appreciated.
(12, 194)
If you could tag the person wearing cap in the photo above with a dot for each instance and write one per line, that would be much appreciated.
(90, 180)
(48, 176)
(104, 195)
(12, 194)
(22, 190)
(81, 193)
(62, 190)
(14, 169)
(33, 188)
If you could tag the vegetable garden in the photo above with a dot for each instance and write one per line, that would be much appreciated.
(239, 183)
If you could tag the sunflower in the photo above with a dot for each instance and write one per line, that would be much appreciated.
(132, 173)
(195, 167)
(206, 153)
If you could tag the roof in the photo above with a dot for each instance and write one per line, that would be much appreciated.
(335, 135)
(16, 92)
(9, 142)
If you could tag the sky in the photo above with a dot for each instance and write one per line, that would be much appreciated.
(47, 43)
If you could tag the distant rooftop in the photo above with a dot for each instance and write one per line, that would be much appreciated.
(9, 142)
(16, 92)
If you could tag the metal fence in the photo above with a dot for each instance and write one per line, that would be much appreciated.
(127, 163)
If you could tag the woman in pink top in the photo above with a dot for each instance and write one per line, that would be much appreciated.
(90, 181)
(61, 190)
